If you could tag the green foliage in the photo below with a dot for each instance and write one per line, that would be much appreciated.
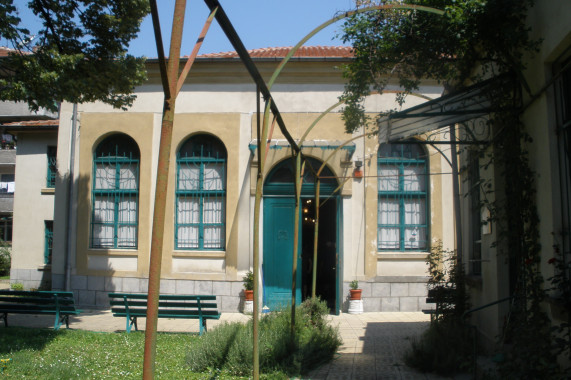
(406, 46)
(79, 55)
(444, 348)
(5, 258)
(447, 347)
(354, 284)
(315, 342)
(248, 281)
(17, 286)
(67, 354)
(561, 288)
(447, 283)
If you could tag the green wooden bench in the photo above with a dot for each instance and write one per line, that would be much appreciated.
(440, 296)
(60, 304)
(132, 306)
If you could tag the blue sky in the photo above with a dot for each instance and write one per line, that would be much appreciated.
(259, 23)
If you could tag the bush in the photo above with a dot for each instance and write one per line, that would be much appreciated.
(446, 347)
(281, 354)
(5, 258)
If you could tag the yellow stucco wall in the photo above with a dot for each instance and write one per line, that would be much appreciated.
(140, 126)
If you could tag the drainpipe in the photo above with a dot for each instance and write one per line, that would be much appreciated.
(69, 209)
(456, 190)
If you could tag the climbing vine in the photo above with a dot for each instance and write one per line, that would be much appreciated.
(459, 49)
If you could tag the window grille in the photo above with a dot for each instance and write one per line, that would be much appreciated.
(52, 167)
(48, 241)
(475, 214)
(563, 104)
(201, 194)
(115, 194)
(402, 206)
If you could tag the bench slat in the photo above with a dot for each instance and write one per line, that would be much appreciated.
(60, 304)
(133, 306)
(164, 296)
(203, 305)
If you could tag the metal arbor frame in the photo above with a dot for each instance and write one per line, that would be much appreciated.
(172, 83)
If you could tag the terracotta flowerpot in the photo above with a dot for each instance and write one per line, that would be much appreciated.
(355, 294)
(249, 295)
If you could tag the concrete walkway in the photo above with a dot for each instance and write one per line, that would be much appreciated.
(373, 343)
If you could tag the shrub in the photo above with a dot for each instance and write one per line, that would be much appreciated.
(212, 349)
(17, 286)
(445, 347)
(315, 342)
(5, 258)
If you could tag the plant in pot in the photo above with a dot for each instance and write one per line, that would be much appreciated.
(248, 281)
(354, 291)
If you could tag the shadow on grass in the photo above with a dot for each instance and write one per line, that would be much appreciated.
(13, 339)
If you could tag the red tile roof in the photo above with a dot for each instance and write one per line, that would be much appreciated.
(31, 123)
(4, 51)
(280, 52)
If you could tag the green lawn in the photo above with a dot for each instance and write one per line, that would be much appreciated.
(66, 354)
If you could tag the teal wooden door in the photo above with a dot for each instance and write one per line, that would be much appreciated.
(278, 253)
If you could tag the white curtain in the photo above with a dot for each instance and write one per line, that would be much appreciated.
(188, 177)
(126, 226)
(388, 178)
(388, 213)
(103, 216)
(104, 176)
(414, 178)
(213, 176)
(414, 213)
(187, 219)
(128, 176)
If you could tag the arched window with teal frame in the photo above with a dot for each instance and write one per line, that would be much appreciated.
(200, 215)
(403, 197)
(115, 193)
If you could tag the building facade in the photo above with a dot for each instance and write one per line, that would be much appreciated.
(381, 209)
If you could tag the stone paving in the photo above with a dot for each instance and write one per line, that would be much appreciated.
(373, 343)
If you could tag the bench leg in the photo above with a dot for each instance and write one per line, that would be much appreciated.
(202, 323)
(5, 318)
(131, 321)
(57, 322)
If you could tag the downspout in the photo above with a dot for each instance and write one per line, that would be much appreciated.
(456, 195)
(69, 209)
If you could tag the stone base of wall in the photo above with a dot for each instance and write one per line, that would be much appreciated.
(91, 291)
(391, 294)
(32, 279)
(388, 294)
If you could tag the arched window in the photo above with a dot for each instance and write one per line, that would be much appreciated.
(201, 194)
(115, 193)
(403, 198)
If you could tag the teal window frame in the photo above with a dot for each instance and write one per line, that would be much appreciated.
(403, 157)
(200, 153)
(52, 167)
(115, 205)
(475, 213)
(48, 241)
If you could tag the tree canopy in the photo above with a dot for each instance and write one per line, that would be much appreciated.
(473, 40)
(78, 55)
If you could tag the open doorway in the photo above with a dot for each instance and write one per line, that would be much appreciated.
(326, 251)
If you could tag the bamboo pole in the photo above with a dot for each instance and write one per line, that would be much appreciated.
(157, 237)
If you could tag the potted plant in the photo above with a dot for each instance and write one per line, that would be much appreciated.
(355, 301)
(354, 290)
(248, 281)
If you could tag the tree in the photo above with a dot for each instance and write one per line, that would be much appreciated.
(79, 54)
(472, 40)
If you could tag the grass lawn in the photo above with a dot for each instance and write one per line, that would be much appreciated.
(7, 277)
(66, 354)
